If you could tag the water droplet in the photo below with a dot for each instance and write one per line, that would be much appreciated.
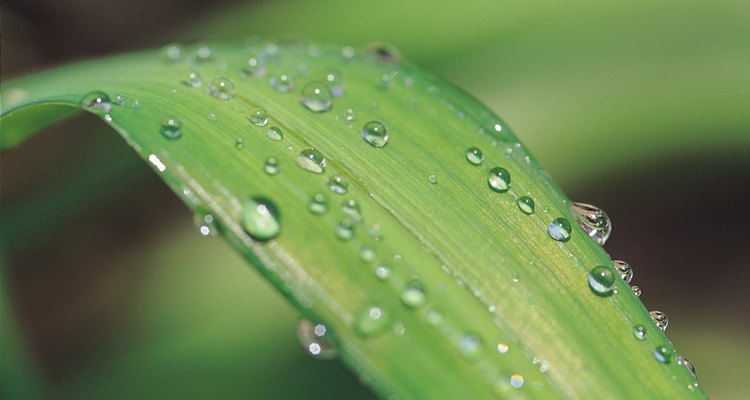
(660, 319)
(260, 219)
(206, 224)
(433, 179)
(499, 179)
(636, 290)
(594, 221)
(559, 230)
(283, 82)
(203, 54)
(274, 133)
(526, 205)
(337, 184)
(119, 100)
(171, 128)
(239, 143)
(367, 254)
(350, 115)
(271, 166)
(602, 281)
(335, 80)
(516, 381)
(502, 348)
(382, 272)
(413, 295)
(351, 209)
(345, 230)
(384, 53)
(318, 204)
(136, 104)
(372, 320)
(663, 354)
(316, 97)
(254, 67)
(96, 102)
(212, 117)
(193, 79)
(257, 116)
(172, 52)
(626, 273)
(685, 363)
(313, 338)
(311, 160)
(469, 346)
(375, 134)
(639, 331)
(474, 156)
(221, 88)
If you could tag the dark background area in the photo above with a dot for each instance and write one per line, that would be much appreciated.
(82, 284)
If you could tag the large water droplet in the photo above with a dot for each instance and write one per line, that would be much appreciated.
(594, 221)
(375, 133)
(316, 97)
(193, 79)
(206, 224)
(372, 320)
(274, 133)
(626, 272)
(221, 88)
(639, 331)
(526, 205)
(260, 219)
(660, 319)
(516, 381)
(413, 295)
(313, 338)
(311, 160)
(335, 80)
(171, 128)
(318, 204)
(345, 230)
(474, 156)
(271, 166)
(96, 102)
(469, 346)
(257, 116)
(664, 354)
(499, 179)
(559, 229)
(602, 281)
(283, 82)
(337, 185)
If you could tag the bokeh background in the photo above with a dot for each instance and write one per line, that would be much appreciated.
(640, 107)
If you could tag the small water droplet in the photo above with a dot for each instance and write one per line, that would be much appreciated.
(663, 354)
(172, 52)
(372, 320)
(311, 160)
(271, 166)
(206, 224)
(375, 133)
(283, 82)
(136, 104)
(239, 143)
(636, 290)
(318, 204)
(119, 100)
(660, 319)
(345, 230)
(367, 253)
(433, 179)
(594, 221)
(685, 363)
(626, 272)
(96, 102)
(337, 184)
(469, 346)
(516, 381)
(350, 115)
(639, 331)
(260, 219)
(212, 117)
(274, 133)
(257, 116)
(559, 229)
(316, 97)
(193, 79)
(602, 281)
(474, 156)
(383, 272)
(351, 209)
(313, 338)
(203, 54)
(502, 348)
(413, 295)
(171, 128)
(221, 88)
(384, 53)
(255, 67)
(499, 179)
(335, 80)
(526, 205)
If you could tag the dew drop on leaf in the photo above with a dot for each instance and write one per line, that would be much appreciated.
(433, 179)
(594, 221)
(344, 230)
(516, 381)
(254, 67)
(499, 179)
(271, 166)
(311, 160)
(375, 133)
(351, 209)
(663, 354)
(337, 185)
(314, 339)
(350, 115)
(96, 102)
(274, 133)
(372, 320)
(206, 224)
(639, 331)
(660, 319)
(317, 204)
(335, 81)
(367, 253)
(636, 290)
(172, 52)
(474, 156)
(257, 116)
(260, 218)
(193, 79)
(502, 348)
(526, 205)
(171, 128)
(469, 346)
(559, 229)
(221, 88)
(413, 295)
(316, 97)
(626, 272)
(602, 281)
(283, 82)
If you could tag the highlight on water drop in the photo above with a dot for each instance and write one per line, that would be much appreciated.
(171, 128)
(316, 97)
(601, 281)
(499, 179)
(260, 218)
(221, 88)
(311, 160)
(314, 339)
(375, 133)
(97, 102)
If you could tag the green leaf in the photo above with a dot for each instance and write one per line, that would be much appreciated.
(430, 279)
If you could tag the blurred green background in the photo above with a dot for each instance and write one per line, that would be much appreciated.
(639, 107)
